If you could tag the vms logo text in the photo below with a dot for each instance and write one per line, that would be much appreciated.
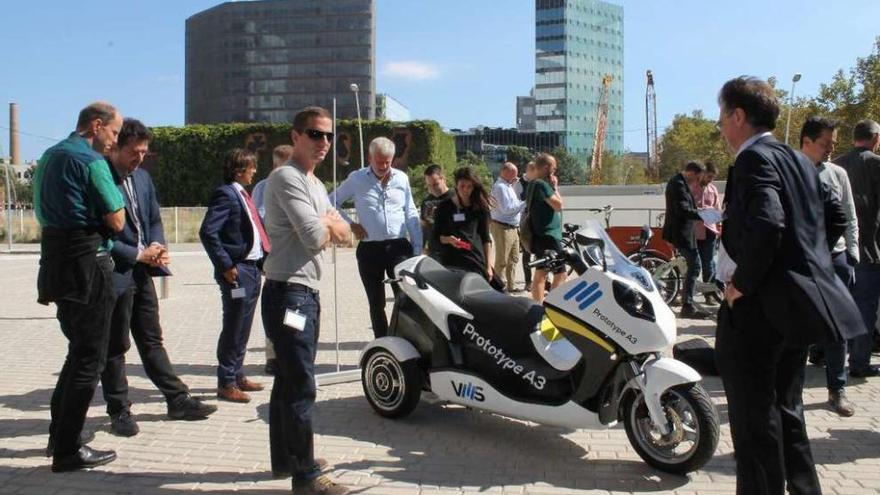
(468, 391)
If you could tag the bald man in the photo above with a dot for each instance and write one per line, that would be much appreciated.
(504, 226)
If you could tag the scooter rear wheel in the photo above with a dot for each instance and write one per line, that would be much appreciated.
(392, 388)
(693, 420)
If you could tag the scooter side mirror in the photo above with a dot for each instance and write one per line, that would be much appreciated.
(645, 235)
(594, 249)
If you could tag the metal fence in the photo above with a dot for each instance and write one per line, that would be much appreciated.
(182, 223)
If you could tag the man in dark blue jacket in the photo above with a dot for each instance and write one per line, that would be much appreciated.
(139, 254)
(679, 229)
(236, 242)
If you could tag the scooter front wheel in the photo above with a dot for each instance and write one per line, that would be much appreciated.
(693, 423)
(392, 388)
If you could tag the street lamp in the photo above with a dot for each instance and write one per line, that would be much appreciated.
(795, 79)
(357, 103)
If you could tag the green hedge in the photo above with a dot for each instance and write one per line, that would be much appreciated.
(186, 162)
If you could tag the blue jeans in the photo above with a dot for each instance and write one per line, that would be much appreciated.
(835, 352)
(706, 248)
(866, 293)
(291, 437)
(238, 316)
(692, 256)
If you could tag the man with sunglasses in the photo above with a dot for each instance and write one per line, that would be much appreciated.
(301, 223)
(386, 214)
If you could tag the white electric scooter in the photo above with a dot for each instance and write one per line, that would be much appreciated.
(588, 358)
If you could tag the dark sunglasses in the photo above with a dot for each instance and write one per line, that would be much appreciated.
(316, 135)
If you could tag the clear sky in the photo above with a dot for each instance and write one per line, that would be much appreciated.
(460, 62)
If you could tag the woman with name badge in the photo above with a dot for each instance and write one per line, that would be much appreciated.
(461, 222)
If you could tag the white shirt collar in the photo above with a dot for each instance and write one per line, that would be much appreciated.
(752, 140)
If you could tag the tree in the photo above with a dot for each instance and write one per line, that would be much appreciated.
(622, 170)
(692, 137)
(568, 169)
(853, 97)
(519, 155)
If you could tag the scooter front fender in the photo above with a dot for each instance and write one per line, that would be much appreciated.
(658, 376)
(400, 348)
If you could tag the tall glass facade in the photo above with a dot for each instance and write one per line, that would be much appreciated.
(578, 42)
(262, 61)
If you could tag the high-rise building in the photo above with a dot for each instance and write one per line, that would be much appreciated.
(264, 60)
(525, 112)
(577, 43)
(388, 108)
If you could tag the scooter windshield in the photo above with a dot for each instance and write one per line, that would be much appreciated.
(615, 260)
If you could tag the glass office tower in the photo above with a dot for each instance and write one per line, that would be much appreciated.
(577, 42)
(262, 61)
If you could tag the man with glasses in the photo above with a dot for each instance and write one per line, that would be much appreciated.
(139, 253)
(301, 223)
(781, 296)
(386, 214)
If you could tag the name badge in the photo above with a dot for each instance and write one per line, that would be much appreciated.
(238, 293)
(458, 217)
(294, 319)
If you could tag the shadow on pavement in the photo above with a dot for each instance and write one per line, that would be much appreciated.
(451, 446)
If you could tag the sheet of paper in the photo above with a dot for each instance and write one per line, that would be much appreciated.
(711, 215)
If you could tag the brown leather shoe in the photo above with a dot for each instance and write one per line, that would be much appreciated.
(233, 394)
(323, 466)
(321, 485)
(249, 386)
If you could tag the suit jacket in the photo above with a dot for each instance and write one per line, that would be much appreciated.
(775, 228)
(125, 245)
(226, 231)
(681, 213)
(863, 168)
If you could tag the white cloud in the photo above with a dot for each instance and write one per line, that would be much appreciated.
(412, 70)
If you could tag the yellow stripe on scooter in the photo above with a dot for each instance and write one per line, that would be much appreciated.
(563, 321)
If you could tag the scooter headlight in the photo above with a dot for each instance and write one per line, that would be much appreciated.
(632, 301)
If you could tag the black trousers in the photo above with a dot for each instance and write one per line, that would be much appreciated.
(87, 329)
(764, 381)
(376, 260)
(137, 312)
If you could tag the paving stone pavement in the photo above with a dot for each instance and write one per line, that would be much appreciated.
(439, 449)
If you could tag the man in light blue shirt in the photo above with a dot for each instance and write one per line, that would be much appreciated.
(386, 214)
(504, 226)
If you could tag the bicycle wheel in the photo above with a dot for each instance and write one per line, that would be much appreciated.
(666, 276)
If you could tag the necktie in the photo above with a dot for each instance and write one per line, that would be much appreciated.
(264, 239)
(135, 209)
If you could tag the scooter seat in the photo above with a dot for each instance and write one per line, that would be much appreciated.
(504, 318)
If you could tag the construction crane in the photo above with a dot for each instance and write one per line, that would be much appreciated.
(601, 128)
(653, 164)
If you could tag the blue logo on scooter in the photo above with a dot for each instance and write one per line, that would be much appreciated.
(584, 294)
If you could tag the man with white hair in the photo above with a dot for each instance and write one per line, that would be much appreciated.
(386, 214)
(504, 227)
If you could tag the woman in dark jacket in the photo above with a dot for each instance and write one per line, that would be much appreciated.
(461, 222)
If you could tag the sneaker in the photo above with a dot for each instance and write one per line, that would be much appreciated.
(694, 313)
(123, 424)
(189, 408)
(840, 403)
(865, 373)
(322, 485)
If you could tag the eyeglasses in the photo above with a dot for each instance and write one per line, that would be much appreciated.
(316, 135)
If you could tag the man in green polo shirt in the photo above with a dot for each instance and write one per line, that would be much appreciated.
(78, 207)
